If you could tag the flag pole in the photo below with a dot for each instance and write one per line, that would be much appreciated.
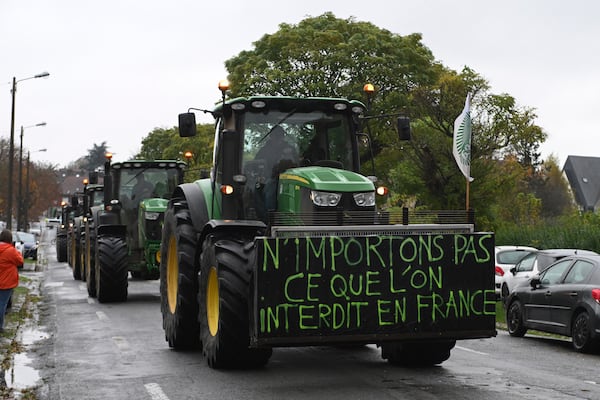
(467, 196)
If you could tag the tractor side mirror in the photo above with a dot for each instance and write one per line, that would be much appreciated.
(403, 124)
(187, 125)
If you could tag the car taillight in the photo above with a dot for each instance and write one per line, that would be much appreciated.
(596, 295)
(499, 271)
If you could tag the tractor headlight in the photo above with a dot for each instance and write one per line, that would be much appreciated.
(364, 199)
(325, 199)
(152, 216)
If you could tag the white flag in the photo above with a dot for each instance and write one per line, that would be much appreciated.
(461, 147)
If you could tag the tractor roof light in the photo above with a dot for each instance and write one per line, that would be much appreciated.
(188, 155)
(223, 85)
(258, 104)
(369, 88)
(108, 156)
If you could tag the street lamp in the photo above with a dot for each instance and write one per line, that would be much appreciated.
(11, 149)
(20, 194)
(27, 199)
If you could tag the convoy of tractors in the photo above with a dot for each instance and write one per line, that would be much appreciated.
(284, 243)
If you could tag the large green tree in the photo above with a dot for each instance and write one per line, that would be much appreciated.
(166, 144)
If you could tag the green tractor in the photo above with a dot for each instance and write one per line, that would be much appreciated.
(61, 232)
(93, 196)
(76, 233)
(73, 235)
(123, 234)
(284, 245)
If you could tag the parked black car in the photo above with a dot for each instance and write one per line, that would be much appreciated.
(563, 299)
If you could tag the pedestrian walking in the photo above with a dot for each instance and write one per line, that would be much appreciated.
(10, 259)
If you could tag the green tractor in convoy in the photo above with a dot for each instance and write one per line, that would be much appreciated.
(123, 233)
(73, 226)
(62, 231)
(77, 220)
(284, 245)
(93, 196)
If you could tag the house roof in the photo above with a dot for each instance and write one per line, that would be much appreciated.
(583, 174)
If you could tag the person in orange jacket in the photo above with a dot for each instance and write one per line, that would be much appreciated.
(10, 259)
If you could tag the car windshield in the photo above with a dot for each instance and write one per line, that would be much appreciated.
(25, 237)
(511, 256)
(526, 264)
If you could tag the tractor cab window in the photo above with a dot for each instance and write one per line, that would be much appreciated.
(136, 185)
(276, 141)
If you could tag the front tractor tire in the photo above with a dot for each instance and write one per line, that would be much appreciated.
(61, 248)
(420, 354)
(224, 279)
(111, 269)
(178, 278)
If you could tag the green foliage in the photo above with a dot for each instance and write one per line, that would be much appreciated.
(330, 57)
(577, 231)
(166, 144)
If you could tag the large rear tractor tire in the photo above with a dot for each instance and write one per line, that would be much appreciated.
(90, 268)
(111, 269)
(224, 279)
(178, 278)
(82, 261)
(426, 354)
(61, 249)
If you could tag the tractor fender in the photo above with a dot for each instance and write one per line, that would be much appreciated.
(234, 228)
(196, 203)
(203, 225)
(112, 230)
(108, 223)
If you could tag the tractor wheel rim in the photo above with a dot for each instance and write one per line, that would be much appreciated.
(172, 275)
(212, 301)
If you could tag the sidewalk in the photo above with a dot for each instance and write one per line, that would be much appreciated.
(21, 329)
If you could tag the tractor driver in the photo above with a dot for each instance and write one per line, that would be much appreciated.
(279, 155)
(142, 189)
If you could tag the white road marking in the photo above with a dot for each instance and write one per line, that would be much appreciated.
(102, 316)
(471, 351)
(155, 391)
(83, 286)
(591, 382)
(90, 300)
(121, 342)
(53, 284)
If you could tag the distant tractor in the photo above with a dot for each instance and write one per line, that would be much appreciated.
(61, 233)
(123, 234)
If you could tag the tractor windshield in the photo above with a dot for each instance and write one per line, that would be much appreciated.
(279, 140)
(138, 184)
(276, 141)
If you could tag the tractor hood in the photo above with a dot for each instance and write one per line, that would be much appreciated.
(154, 205)
(327, 179)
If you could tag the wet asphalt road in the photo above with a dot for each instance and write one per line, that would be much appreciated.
(118, 351)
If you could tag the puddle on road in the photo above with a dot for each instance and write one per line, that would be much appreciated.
(21, 375)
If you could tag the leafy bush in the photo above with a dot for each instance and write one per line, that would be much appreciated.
(580, 231)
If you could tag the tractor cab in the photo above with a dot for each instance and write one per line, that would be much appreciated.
(143, 189)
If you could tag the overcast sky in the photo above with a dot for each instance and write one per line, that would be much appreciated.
(120, 68)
